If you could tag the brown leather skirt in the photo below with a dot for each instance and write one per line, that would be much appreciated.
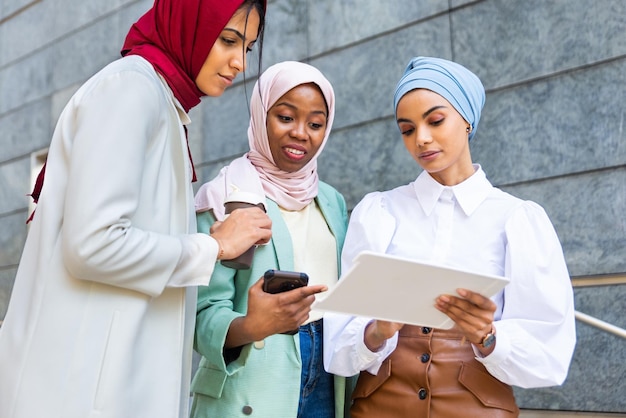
(431, 374)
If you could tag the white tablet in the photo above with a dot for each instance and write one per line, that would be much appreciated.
(397, 289)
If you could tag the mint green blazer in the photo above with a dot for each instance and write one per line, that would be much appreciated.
(261, 379)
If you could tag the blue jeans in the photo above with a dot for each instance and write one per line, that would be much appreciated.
(317, 399)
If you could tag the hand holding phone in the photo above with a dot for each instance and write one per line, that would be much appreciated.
(277, 281)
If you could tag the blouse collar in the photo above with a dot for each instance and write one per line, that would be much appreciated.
(469, 194)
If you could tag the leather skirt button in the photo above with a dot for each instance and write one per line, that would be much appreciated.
(422, 394)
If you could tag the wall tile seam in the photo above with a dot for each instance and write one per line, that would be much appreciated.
(19, 158)
(307, 35)
(537, 180)
(52, 41)
(364, 123)
(451, 9)
(384, 33)
(448, 11)
(555, 74)
(49, 97)
(78, 83)
(13, 212)
(18, 11)
(8, 267)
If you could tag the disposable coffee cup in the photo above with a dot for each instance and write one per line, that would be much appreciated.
(242, 200)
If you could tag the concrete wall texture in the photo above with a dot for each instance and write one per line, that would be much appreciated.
(552, 128)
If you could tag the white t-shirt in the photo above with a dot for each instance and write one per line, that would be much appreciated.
(314, 247)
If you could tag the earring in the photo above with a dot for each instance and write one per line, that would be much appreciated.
(468, 129)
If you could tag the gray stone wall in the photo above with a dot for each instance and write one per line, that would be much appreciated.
(552, 129)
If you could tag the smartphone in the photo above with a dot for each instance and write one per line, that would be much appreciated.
(277, 281)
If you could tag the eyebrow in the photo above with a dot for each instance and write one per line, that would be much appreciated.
(239, 34)
(321, 112)
(424, 115)
(431, 110)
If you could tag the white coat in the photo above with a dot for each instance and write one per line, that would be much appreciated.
(101, 319)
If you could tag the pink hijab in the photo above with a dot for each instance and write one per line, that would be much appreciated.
(256, 170)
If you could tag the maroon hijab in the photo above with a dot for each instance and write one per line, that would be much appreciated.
(175, 36)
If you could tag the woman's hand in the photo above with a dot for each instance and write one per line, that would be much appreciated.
(472, 313)
(270, 314)
(242, 229)
(377, 332)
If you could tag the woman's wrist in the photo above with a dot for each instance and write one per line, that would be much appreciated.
(372, 339)
(488, 342)
(220, 249)
(240, 333)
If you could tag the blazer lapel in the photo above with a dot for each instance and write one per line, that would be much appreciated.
(335, 223)
(281, 239)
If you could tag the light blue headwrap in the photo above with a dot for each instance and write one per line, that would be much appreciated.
(455, 83)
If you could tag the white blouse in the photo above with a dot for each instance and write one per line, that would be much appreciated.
(478, 227)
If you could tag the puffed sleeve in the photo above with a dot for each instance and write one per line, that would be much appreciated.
(371, 227)
(536, 332)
